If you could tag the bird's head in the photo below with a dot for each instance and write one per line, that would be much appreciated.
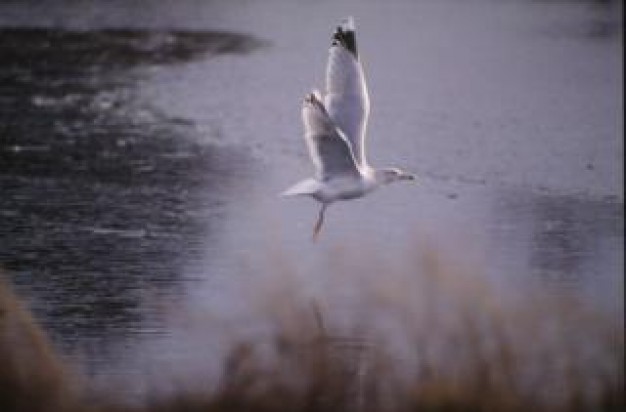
(392, 174)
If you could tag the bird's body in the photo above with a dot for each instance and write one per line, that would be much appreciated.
(338, 188)
(335, 129)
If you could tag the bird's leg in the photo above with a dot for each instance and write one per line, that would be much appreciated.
(318, 224)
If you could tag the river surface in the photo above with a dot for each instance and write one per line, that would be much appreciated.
(142, 149)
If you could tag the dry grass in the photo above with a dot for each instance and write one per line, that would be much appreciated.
(433, 338)
(32, 377)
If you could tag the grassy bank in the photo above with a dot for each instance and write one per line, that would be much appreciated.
(427, 337)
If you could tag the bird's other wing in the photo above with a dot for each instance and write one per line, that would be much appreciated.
(329, 149)
(347, 99)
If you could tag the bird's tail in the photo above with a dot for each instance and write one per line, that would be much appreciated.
(302, 188)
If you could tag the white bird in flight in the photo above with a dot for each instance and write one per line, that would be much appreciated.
(334, 130)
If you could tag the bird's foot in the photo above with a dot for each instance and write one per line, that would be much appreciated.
(318, 225)
(316, 233)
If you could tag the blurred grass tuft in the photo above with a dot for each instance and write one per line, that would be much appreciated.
(427, 336)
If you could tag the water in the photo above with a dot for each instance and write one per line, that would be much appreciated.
(104, 196)
(139, 166)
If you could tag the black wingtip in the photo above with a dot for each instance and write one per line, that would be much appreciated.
(345, 36)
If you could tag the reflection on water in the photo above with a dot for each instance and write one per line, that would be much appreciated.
(567, 231)
(103, 197)
(571, 241)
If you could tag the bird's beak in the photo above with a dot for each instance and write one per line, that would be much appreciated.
(407, 176)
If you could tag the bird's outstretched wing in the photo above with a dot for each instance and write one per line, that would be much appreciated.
(330, 150)
(347, 99)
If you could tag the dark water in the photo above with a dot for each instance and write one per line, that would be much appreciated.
(125, 154)
(102, 195)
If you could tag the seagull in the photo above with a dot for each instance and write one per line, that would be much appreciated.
(334, 131)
